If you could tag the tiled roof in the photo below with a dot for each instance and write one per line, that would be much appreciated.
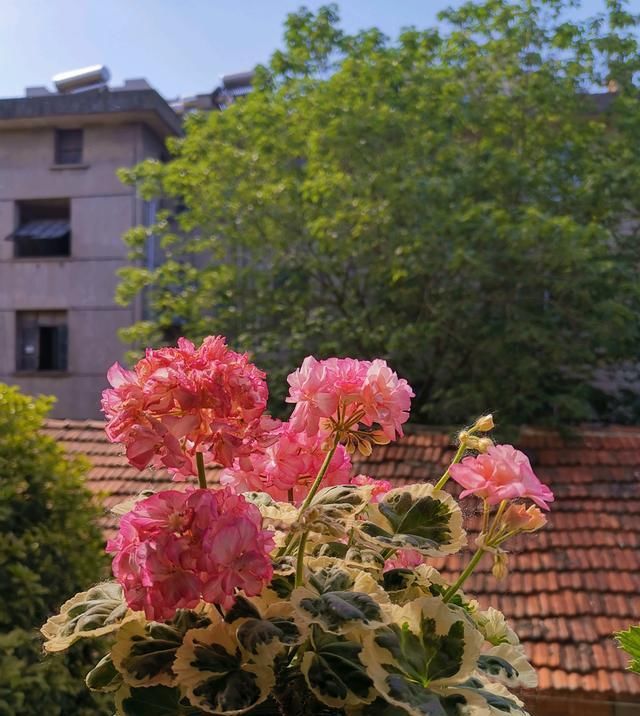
(569, 587)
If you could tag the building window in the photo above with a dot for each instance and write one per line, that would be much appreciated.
(44, 228)
(68, 148)
(41, 340)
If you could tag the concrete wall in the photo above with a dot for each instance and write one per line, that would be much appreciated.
(83, 284)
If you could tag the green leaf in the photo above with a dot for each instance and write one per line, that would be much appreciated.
(496, 666)
(426, 656)
(507, 663)
(416, 517)
(629, 640)
(217, 675)
(428, 649)
(104, 676)
(333, 670)
(421, 699)
(334, 610)
(380, 707)
(152, 701)
(242, 608)
(144, 652)
(255, 635)
(339, 599)
(343, 499)
(493, 695)
(96, 612)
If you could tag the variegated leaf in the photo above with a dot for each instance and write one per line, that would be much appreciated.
(333, 670)
(416, 517)
(104, 676)
(427, 647)
(355, 601)
(217, 675)
(264, 625)
(151, 701)
(96, 612)
(508, 664)
(144, 651)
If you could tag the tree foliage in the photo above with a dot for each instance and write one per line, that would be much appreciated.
(461, 200)
(50, 547)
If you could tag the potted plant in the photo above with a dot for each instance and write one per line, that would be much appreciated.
(279, 584)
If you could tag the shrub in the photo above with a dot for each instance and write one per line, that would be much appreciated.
(50, 545)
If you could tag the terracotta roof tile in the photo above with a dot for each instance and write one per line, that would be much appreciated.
(569, 588)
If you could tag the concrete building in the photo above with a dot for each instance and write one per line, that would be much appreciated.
(63, 212)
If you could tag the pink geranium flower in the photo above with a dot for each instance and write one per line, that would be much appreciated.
(183, 400)
(523, 519)
(404, 559)
(290, 463)
(502, 473)
(176, 548)
(380, 487)
(346, 390)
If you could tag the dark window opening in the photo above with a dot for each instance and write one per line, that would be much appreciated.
(44, 228)
(41, 341)
(68, 146)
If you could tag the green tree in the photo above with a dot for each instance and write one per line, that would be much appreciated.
(460, 201)
(50, 547)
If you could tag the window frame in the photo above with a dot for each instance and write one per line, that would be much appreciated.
(30, 211)
(68, 155)
(31, 327)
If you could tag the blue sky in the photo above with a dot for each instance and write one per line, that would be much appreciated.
(181, 46)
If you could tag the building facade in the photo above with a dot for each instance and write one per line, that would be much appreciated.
(63, 212)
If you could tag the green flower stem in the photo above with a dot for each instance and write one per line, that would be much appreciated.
(202, 477)
(485, 516)
(494, 530)
(314, 488)
(449, 594)
(457, 457)
(300, 558)
(321, 473)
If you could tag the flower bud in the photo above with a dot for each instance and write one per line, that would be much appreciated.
(521, 519)
(500, 567)
(484, 423)
(479, 444)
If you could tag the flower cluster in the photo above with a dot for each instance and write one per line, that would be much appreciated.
(289, 466)
(176, 548)
(290, 586)
(502, 473)
(343, 393)
(179, 401)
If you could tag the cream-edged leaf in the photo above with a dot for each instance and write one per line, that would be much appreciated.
(144, 651)
(264, 626)
(347, 499)
(405, 585)
(426, 647)
(152, 701)
(484, 698)
(494, 627)
(217, 675)
(338, 599)
(333, 670)
(508, 664)
(96, 612)
(416, 517)
(104, 676)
